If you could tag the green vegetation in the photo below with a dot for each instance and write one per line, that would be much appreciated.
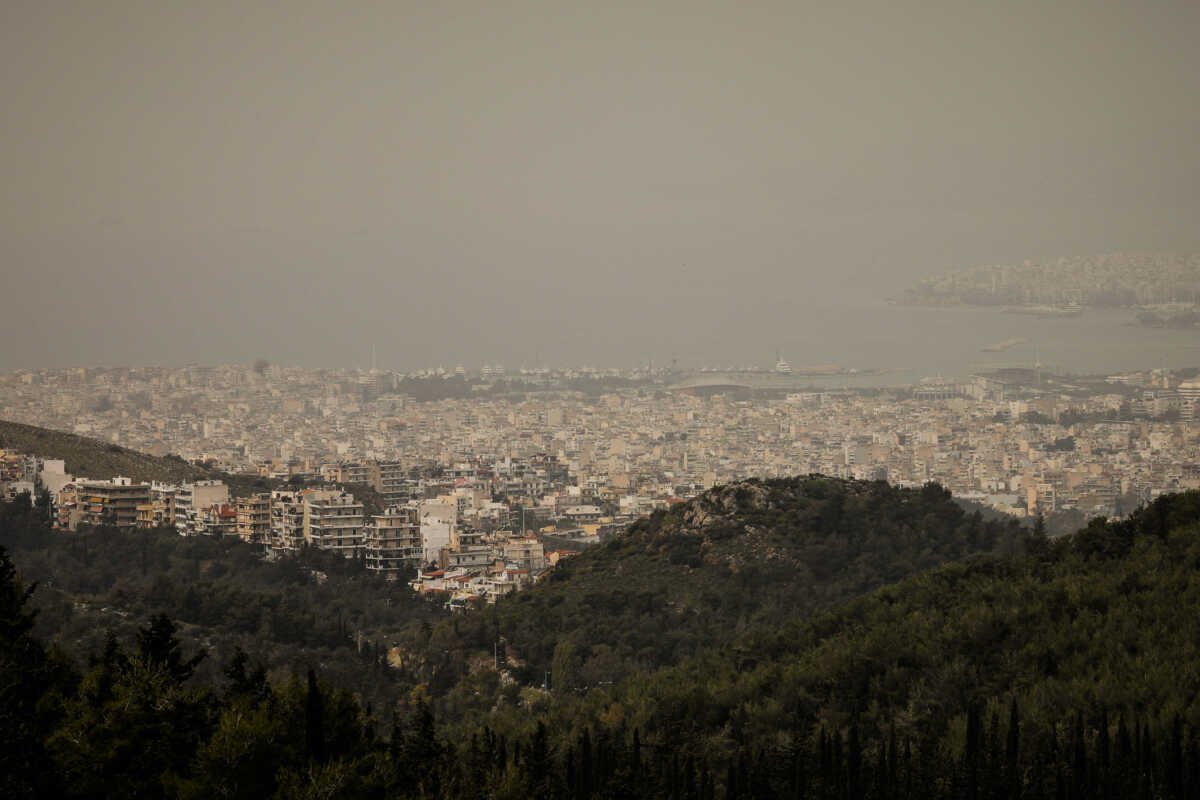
(288, 614)
(799, 638)
(94, 458)
(753, 553)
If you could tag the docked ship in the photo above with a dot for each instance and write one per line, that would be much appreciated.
(1065, 310)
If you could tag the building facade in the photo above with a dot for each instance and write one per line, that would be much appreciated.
(393, 541)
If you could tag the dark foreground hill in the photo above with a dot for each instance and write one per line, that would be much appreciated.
(1070, 671)
(315, 609)
(747, 554)
(1031, 669)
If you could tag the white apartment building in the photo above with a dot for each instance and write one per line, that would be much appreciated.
(333, 520)
(287, 522)
(392, 543)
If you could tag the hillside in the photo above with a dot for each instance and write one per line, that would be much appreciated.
(94, 458)
(746, 554)
(318, 608)
(1069, 672)
(770, 639)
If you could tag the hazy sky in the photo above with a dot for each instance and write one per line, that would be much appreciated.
(482, 181)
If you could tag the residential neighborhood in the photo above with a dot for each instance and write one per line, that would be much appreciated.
(475, 496)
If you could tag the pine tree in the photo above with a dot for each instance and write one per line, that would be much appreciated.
(26, 675)
(158, 646)
(243, 683)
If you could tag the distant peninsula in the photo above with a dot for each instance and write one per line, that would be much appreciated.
(1065, 286)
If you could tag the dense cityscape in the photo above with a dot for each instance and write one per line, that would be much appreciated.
(491, 479)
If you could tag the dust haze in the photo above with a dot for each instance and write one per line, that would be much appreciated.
(559, 182)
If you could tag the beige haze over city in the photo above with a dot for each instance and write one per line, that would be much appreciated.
(567, 182)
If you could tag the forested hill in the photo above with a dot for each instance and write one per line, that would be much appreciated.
(750, 553)
(317, 608)
(93, 458)
(1067, 672)
(1047, 668)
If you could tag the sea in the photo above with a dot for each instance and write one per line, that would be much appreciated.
(892, 345)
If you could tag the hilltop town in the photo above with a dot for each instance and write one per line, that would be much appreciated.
(1059, 285)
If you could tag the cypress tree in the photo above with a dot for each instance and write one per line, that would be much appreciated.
(314, 721)
(539, 761)
(1175, 759)
(1012, 752)
(1192, 771)
(1146, 763)
(690, 789)
(1123, 767)
(909, 777)
(881, 771)
(826, 761)
(993, 767)
(971, 754)
(892, 769)
(744, 774)
(707, 790)
(854, 769)
(585, 765)
(1103, 767)
(798, 777)
(571, 776)
(1079, 776)
(837, 780)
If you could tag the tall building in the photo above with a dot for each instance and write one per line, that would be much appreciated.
(365, 472)
(333, 520)
(438, 522)
(393, 483)
(287, 522)
(1189, 394)
(112, 502)
(163, 495)
(200, 495)
(525, 554)
(393, 541)
(254, 518)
